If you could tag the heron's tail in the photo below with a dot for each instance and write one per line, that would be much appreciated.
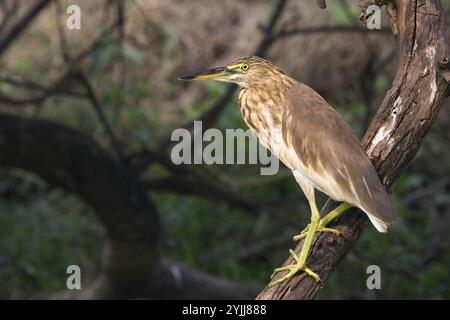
(381, 211)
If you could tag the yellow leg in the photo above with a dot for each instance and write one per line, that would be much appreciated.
(301, 260)
(326, 220)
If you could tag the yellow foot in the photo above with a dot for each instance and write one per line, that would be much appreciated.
(320, 228)
(293, 269)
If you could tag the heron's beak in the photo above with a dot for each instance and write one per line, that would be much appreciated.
(220, 73)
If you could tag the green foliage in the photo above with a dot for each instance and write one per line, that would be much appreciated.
(211, 238)
(42, 232)
(339, 14)
(25, 64)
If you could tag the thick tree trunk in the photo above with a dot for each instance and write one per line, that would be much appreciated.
(68, 159)
(394, 137)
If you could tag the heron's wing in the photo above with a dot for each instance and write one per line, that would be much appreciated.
(331, 156)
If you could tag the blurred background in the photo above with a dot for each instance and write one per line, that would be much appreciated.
(114, 83)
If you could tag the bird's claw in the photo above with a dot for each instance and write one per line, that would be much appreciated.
(320, 228)
(293, 269)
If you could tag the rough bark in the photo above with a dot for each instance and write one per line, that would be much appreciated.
(395, 134)
(132, 265)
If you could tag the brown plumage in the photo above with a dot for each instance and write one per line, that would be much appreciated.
(312, 139)
(328, 156)
(325, 143)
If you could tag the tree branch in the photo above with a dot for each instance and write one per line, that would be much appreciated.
(132, 265)
(92, 95)
(328, 29)
(71, 70)
(196, 185)
(68, 159)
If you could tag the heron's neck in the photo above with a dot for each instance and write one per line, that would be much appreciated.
(261, 103)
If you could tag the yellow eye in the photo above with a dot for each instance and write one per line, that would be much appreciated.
(244, 67)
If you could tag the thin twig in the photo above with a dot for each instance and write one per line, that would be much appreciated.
(22, 24)
(121, 64)
(67, 76)
(115, 143)
(329, 29)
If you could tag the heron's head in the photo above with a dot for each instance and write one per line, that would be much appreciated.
(245, 72)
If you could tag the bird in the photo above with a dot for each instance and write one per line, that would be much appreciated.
(313, 140)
